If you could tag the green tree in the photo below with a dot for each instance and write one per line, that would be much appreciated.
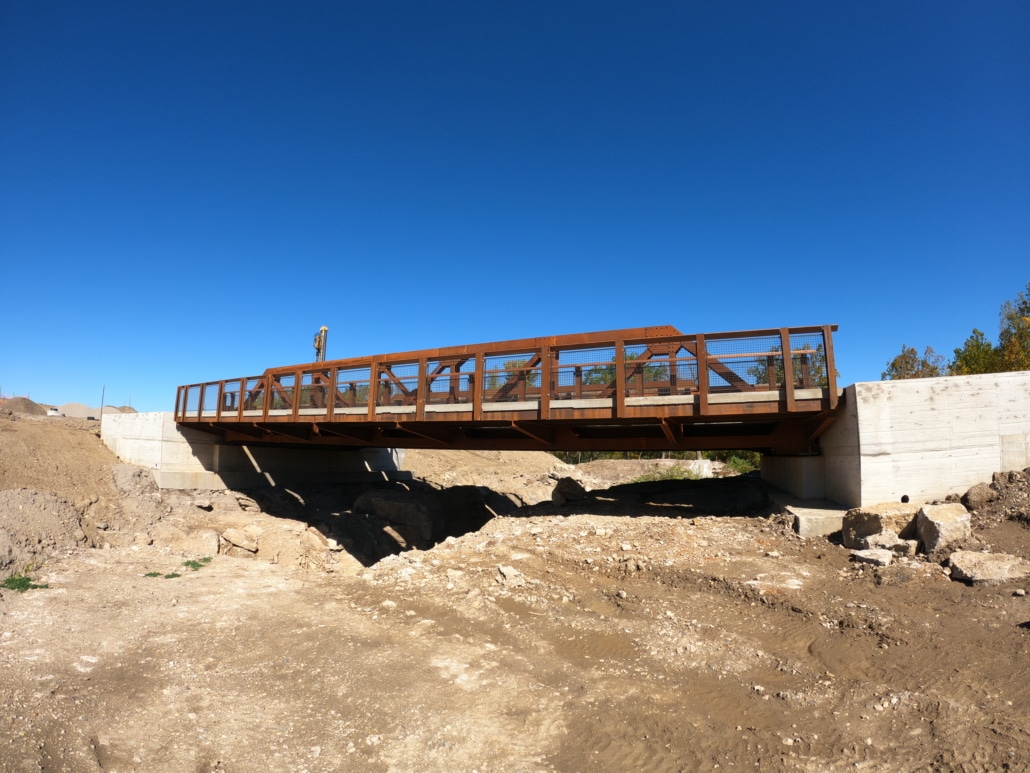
(605, 374)
(815, 359)
(909, 364)
(1014, 335)
(977, 355)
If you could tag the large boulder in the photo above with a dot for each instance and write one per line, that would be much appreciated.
(987, 568)
(568, 490)
(939, 526)
(864, 522)
(979, 495)
(413, 514)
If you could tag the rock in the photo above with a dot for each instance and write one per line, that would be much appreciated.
(413, 514)
(874, 557)
(809, 525)
(347, 564)
(906, 547)
(567, 490)
(313, 539)
(239, 538)
(884, 540)
(510, 576)
(467, 508)
(196, 542)
(872, 519)
(978, 496)
(941, 525)
(987, 568)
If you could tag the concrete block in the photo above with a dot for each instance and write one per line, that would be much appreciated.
(941, 525)
(863, 522)
(817, 525)
(874, 557)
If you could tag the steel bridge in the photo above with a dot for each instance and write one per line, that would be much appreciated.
(651, 388)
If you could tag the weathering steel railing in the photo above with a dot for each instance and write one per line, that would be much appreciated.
(614, 371)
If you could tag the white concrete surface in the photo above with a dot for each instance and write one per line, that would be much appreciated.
(842, 466)
(185, 458)
(927, 438)
(802, 476)
(920, 438)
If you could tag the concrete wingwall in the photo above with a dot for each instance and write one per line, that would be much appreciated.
(188, 459)
(919, 438)
(927, 438)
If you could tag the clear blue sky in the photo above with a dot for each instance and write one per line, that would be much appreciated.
(189, 190)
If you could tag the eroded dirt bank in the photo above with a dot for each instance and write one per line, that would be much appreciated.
(621, 633)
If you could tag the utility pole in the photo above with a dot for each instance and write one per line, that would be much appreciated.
(320, 340)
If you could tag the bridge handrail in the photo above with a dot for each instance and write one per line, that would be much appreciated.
(610, 365)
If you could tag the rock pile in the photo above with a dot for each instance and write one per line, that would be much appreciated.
(943, 531)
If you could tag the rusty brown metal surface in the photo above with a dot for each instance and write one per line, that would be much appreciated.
(651, 388)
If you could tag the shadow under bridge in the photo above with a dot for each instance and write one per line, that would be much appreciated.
(640, 389)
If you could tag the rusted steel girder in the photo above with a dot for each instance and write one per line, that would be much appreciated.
(649, 388)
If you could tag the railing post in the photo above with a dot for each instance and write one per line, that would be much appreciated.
(330, 395)
(295, 395)
(422, 389)
(478, 385)
(546, 361)
(702, 374)
(373, 389)
(831, 367)
(788, 367)
(619, 398)
(221, 399)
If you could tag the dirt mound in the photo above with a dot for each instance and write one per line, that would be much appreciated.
(33, 524)
(630, 630)
(76, 410)
(526, 477)
(126, 409)
(24, 405)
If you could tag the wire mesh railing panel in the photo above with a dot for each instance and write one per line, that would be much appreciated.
(254, 394)
(282, 392)
(745, 364)
(683, 372)
(231, 396)
(583, 373)
(808, 357)
(450, 381)
(511, 378)
(314, 390)
(647, 373)
(210, 398)
(352, 387)
(397, 384)
(193, 400)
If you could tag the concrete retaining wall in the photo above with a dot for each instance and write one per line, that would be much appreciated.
(920, 438)
(185, 458)
(927, 438)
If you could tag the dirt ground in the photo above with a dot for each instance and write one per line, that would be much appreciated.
(665, 626)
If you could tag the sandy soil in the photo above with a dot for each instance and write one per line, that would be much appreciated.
(633, 630)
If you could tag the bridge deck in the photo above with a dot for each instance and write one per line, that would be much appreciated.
(636, 389)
